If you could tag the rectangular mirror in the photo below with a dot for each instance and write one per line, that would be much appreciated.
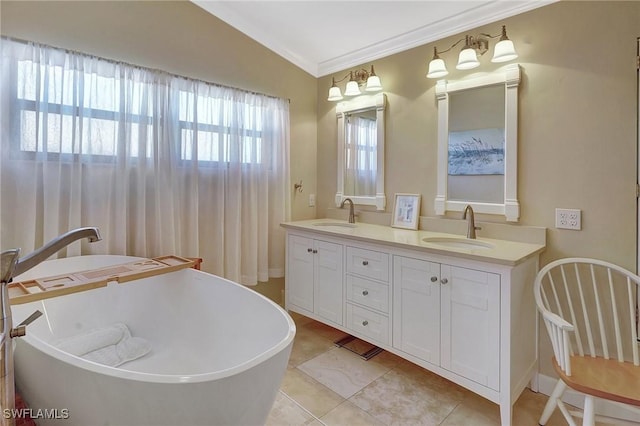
(361, 150)
(477, 144)
(475, 169)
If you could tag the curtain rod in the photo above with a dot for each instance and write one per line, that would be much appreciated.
(113, 61)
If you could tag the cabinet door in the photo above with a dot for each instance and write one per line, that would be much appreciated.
(416, 308)
(471, 324)
(328, 293)
(300, 272)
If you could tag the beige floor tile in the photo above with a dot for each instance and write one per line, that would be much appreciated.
(307, 345)
(299, 319)
(386, 390)
(431, 380)
(400, 399)
(474, 410)
(463, 415)
(479, 411)
(342, 371)
(529, 407)
(324, 330)
(309, 393)
(348, 414)
(287, 412)
(388, 359)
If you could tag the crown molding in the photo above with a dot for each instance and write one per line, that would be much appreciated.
(230, 17)
(473, 18)
(481, 15)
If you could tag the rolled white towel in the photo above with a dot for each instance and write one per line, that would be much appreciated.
(112, 345)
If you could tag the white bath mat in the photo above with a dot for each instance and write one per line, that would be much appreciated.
(112, 345)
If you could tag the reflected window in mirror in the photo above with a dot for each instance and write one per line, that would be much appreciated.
(360, 124)
(477, 144)
(361, 153)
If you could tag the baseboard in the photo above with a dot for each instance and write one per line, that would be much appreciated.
(603, 408)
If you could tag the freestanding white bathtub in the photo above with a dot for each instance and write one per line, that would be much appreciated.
(219, 351)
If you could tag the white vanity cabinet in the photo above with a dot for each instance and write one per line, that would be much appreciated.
(470, 327)
(448, 316)
(368, 294)
(416, 298)
(315, 278)
(467, 315)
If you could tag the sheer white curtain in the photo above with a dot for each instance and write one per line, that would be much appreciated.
(161, 164)
(361, 156)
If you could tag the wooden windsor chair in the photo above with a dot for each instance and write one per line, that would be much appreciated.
(589, 310)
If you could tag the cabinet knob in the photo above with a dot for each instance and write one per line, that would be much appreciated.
(309, 250)
(315, 251)
(365, 323)
(365, 292)
(434, 279)
(444, 281)
(365, 262)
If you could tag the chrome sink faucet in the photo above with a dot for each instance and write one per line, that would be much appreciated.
(352, 215)
(471, 222)
(11, 266)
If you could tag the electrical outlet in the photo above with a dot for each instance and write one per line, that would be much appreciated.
(569, 219)
(312, 200)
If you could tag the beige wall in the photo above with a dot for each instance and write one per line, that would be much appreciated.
(577, 124)
(181, 38)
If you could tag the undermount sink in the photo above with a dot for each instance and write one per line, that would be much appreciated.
(338, 224)
(464, 243)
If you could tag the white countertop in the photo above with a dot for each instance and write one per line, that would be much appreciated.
(500, 251)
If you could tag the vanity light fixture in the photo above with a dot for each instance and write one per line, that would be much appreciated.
(468, 58)
(357, 78)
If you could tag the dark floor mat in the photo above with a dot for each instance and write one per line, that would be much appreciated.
(363, 349)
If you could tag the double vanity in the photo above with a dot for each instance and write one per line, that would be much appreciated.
(461, 308)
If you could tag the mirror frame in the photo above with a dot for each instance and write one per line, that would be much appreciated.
(510, 208)
(361, 103)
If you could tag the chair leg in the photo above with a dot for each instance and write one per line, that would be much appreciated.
(588, 418)
(552, 403)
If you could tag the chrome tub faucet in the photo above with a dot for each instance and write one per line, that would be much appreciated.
(11, 266)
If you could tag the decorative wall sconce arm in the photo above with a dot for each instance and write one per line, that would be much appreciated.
(357, 78)
(468, 58)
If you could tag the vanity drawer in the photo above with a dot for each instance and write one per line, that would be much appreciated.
(368, 293)
(369, 263)
(368, 324)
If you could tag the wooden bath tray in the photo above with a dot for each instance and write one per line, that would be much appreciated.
(58, 285)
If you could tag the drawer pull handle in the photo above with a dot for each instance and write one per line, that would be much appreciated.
(365, 262)
(309, 250)
(444, 281)
(434, 279)
(365, 323)
(364, 293)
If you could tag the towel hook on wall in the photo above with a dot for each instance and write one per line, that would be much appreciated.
(298, 186)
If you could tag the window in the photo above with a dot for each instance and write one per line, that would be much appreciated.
(70, 111)
(161, 164)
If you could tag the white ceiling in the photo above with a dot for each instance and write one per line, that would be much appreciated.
(323, 37)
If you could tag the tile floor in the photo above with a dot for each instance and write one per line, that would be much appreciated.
(327, 385)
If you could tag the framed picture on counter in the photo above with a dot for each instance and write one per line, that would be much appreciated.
(406, 211)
